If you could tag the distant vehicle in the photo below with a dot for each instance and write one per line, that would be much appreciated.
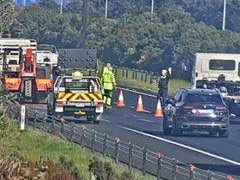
(221, 71)
(196, 110)
(77, 90)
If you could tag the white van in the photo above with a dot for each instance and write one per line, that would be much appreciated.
(211, 66)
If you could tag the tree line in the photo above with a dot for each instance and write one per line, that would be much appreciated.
(131, 36)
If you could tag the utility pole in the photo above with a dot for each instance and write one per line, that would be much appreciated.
(106, 9)
(152, 6)
(224, 14)
(84, 24)
(61, 6)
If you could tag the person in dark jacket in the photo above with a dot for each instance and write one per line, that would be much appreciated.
(163, 85)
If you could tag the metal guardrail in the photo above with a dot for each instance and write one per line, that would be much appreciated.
(143, 159)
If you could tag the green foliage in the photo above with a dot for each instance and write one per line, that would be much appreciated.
(104, 170)
(69, 165)
(131, 36)
(7, 14)
(8, 134)
(15, 166)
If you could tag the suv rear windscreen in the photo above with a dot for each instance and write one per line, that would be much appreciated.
(204, 98)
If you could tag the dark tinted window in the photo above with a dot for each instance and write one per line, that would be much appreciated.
(218, 64)
(204, 98)
(75, 85)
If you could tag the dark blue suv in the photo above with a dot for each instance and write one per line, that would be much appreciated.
(196, 110)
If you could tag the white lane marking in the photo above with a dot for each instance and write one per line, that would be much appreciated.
(184, 146)
(105, 120)
(146, 111)
(134, 91)
(146, 120)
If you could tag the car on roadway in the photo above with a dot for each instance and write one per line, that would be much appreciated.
(202, 110)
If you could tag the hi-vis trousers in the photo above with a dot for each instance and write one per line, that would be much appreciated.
(107, 97)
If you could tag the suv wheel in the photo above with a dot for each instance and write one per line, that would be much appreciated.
(176, 131)
(212, 133)
(166, 130)
(223, 134)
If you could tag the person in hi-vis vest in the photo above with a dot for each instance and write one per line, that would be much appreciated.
(109, 84)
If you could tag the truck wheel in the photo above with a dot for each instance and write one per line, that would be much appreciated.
(91, 118)
(94, 118)
(224, 134)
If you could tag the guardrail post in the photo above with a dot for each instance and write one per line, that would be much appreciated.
(93, 139)
(142, 74)
(116, 71)
(126, 73)
(122, 73)
(62, 125)
(144, 161)
(72, 132)
(151, 78)
(159, 165)
(132, 74)
(130, 155)
(82, 135)
(192, 171)
(174, 170)
(146, 75)
(209, 175)
(35, 118)
(43, 123)
(23, 117)
(117, 141)
(52, 123)
(105, 144)
(136, 74)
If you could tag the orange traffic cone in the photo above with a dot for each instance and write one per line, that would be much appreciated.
(230, 177)
(140, 105)
(159, 112)
(121, 100)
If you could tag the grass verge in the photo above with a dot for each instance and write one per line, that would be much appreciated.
(33, 144)
(174, 85)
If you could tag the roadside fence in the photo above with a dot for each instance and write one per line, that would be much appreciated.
(134, 156)
(136, 74)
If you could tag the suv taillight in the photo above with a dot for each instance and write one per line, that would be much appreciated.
(222, 110)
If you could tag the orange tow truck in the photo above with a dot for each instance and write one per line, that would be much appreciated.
(26, 79)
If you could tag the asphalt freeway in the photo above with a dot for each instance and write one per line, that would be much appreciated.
(143, 129)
